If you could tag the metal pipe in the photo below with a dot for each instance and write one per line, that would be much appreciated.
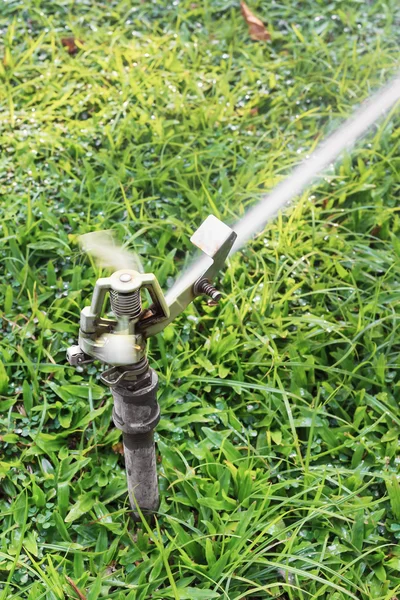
(136, 413)
(141, 472)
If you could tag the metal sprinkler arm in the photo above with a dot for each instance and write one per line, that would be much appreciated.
(215, 239)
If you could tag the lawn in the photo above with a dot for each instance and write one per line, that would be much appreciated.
(278, 444)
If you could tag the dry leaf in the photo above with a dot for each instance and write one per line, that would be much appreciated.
(118, 448)
(257, 28)
(70, 44)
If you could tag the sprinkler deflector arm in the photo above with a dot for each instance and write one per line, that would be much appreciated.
(121, 343)
(215, 240)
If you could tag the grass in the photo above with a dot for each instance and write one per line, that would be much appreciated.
(279, 435)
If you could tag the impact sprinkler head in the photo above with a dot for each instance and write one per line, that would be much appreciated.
(121, 342)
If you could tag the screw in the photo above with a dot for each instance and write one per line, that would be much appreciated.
(203, 286)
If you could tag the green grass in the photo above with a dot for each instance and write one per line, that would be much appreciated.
(279, 435)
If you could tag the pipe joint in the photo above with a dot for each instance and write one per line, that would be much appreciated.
(136, 410)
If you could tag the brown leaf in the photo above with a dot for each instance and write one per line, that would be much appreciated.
(376, 231)
(118, 448)
(75, 588)
(257, 28)
(70, 44)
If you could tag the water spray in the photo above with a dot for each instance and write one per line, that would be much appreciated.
(121, 342)
(305, 173)
(315, 164)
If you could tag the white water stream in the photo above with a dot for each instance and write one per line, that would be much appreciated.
(302, 176)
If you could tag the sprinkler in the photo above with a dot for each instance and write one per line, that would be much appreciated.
(121, 344)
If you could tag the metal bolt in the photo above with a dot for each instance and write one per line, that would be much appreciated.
(203, 286)
(75, 356)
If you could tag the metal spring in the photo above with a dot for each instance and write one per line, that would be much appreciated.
(126, 305)
(203, 286)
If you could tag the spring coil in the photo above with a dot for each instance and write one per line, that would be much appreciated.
(126, 305)
(203, 286)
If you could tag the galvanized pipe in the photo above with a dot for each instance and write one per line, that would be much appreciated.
(136, 413)
(141, 472)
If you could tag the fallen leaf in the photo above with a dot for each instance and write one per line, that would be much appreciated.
(257, 28)
(70, 44)
(118, 448)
